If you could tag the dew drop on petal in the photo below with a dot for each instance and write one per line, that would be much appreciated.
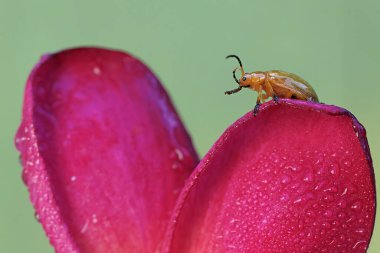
(341, 215)
(328, 198)
(328, 213)
(356, 205)
(96, 70)
(94, 219)
(37, 217)
(285, 179)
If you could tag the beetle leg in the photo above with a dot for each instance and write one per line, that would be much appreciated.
(256, 110)
(275, 98)
(258, 101)
(269, 90)
(264, 96)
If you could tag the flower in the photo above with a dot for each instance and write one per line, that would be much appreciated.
(106, 158)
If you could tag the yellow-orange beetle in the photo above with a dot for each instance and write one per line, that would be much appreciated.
(275, 83)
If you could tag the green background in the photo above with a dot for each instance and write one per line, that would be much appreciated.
(332, 44)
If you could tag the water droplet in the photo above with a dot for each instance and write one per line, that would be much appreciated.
(308, 177)
(356, 205)
(319, 185)
(360, 230)
(175, 166)
(310, 213)
(332, 189)
(84, 227)
(285, 179)
(334, 170)
(273, 188)
(34, 179)
(293, 168)
(37, 217)
(341, 215)
(320, 170)
(94, 219)
(342, 203)
(358, 243)
(179, 154)
(326, 225)
(328, 198)
(96, 70)
(232, 221)
(298, 200)
(294, 186)
(347, 163)
(351, 219)
(73, 178)
(284, 197)
(328, 213)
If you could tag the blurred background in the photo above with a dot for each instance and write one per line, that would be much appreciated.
(334, 44)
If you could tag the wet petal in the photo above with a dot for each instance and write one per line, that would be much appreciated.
(104, 152)
(297, 178)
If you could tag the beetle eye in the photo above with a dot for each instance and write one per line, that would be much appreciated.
(244, 78)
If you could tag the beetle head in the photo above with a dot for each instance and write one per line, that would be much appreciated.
(246, 80)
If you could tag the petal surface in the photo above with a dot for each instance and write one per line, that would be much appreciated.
(296, 178)
(104, 152)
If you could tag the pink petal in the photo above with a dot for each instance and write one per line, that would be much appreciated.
(104, 152)
(297, 178)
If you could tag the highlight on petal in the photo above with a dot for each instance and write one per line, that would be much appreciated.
(296, 178)
(104, 152)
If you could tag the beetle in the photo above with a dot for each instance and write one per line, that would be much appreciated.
(275, 83)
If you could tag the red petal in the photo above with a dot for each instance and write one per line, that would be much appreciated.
(297, 178)
(104, 152)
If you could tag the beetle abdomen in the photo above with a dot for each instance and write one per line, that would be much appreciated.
(289, 85)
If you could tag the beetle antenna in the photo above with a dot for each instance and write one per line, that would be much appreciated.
(229, 92)
(238, 59)
(233, 74)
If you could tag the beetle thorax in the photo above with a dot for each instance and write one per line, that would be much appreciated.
(258, 79)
